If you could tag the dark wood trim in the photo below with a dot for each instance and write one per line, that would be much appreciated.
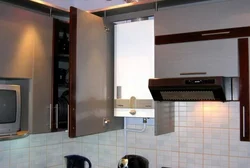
(243, 49)
(72, 72)
(203, 35)
(54, 51)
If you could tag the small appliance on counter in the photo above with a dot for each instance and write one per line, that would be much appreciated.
(133, 161)
(76, 161)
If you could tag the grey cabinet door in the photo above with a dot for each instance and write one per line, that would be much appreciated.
(91, 75)
(16, 41)
(41, 77)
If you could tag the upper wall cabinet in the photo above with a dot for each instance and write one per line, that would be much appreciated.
(200, 17)
(91, 75)
(42, 75)
(26, 52)
(203, 58)
(17, 43)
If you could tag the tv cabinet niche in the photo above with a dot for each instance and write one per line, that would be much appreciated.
(238, 36)
(26, 47)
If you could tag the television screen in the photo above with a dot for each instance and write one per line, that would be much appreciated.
(8, 107)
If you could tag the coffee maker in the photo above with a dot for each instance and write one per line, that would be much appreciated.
(133, 161)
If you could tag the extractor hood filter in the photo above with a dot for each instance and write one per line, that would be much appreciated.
(194, 89)
(187, 95)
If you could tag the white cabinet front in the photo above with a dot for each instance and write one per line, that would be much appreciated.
(203, 58)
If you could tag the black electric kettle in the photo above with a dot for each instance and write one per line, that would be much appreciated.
(76, 161)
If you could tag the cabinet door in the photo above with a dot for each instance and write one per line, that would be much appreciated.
(42, 72)
(243, 45)
(16, 41)
(91, 75)
(200, 58)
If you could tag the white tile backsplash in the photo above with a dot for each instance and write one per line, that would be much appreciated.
(20, 143)
(5, 159)
(206, 136)
(37, 140)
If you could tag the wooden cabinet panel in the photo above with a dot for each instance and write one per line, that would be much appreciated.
(91, 75)
(243, 45)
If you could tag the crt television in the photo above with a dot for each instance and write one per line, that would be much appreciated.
(10, 109)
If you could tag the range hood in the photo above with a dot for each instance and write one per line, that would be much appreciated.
(195, 89)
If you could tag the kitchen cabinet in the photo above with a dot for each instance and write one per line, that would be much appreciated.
(202, 58)
(83, 75)
(243, 45)
(60, 73)
(234, 42)
(41, 78)
(91, 79)
(90, 63)
(26, 60)
(16, 43)
(201, 17)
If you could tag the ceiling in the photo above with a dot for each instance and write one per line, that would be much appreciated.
(98, 7)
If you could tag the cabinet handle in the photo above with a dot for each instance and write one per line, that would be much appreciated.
(56, 116)
(217, 33)
(50, 112)
(68, 117)
(193, 73)
(243, 121)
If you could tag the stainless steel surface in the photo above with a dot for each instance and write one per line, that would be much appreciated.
(68, 117)
(56, 109)
(50, 116)
(235, 88)
(243, 122)
(217, 33)
(193, 73)
(231, 87)
(119, 92)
